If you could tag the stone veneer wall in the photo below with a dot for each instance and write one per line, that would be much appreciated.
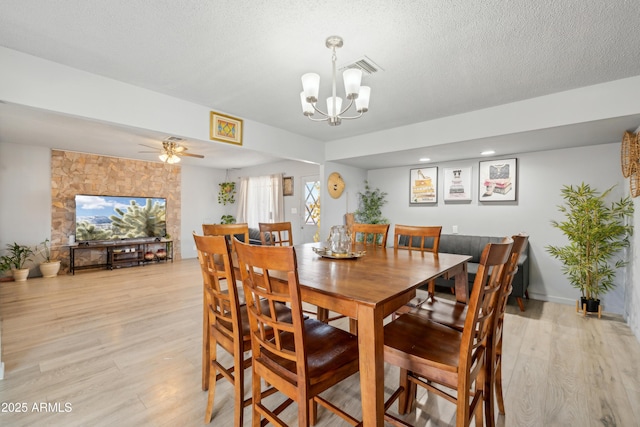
(78, 173)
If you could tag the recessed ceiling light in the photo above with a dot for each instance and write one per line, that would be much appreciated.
(487, 153)
(425, 159)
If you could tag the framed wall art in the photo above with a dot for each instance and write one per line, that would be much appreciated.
(457, 184)
(423, 186)
(498, 180)
(225, 128)
(287, 186)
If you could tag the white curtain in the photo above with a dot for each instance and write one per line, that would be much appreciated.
(260, 200)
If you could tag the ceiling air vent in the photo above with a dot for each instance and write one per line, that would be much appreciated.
(174, 139)
(365, 64)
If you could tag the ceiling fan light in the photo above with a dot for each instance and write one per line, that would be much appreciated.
(163, 157)
(352, 79)
(311, 85)
(173, 159)
(362, 101)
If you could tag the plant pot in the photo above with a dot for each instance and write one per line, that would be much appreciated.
(21, 274)
(161, 254)
(149, 256)
(50, 269)
(592, 305)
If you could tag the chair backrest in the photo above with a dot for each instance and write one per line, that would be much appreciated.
(370, 234)
(279, 337)
(222, 301)
(519, 243)
(229, 230)
(417, 238)
(276, 233)
(483, 303)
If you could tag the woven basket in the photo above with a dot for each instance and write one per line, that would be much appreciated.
(634, 183)
(629, 154)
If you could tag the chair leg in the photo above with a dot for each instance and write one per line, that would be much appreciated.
(212, 387)
(256, 398)
(238, 386)
(404, 400)
(206, 359)
(520, 303)
(322, 314)
(498, 384)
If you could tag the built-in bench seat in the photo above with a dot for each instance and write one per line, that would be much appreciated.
(473, 246)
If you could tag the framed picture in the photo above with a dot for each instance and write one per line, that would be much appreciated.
(287, 186)
(498, 180)
(423, 186)
(225, 128)
(457, 184)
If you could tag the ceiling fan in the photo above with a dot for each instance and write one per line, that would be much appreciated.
(172, 150)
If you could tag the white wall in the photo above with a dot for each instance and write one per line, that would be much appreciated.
(199, 203)
(540, 178)
(25, 196)
(632, 294)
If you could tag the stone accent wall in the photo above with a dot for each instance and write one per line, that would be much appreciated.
(78, 173)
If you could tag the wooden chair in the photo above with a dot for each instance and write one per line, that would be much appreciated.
(227, 322)
(370, 234)
(453, 314)
(434, 356)
(302, 358)
(276, 234)
(229, 230)
(418, 238)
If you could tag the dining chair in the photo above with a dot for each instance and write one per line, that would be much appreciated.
(230, 230)
(227, 230)
(418, 238)
(276, 233)
(370, 234)
(453, 314)
(301, 358)
(440, 358)
(227, 322)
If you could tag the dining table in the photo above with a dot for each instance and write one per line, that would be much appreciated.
(367, 285)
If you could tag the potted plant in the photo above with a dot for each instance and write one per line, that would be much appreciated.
(48, 268)
(597, 231)
(370, 207)
(227, 219)
(227, 192)
(17, 256)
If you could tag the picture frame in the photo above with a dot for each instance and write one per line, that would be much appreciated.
(287, 186)
(457, 184)
(498, 180)
(423, 186)
(225, 128)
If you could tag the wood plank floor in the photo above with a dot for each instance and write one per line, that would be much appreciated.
(122, 347)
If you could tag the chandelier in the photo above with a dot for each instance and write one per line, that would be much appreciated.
(355, 92)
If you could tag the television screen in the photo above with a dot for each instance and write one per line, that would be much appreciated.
(117, 218)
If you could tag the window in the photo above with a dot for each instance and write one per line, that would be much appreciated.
(260, 200)
(312, 202)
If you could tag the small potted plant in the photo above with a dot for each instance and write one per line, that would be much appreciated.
(227, 219)
(49, 268)
(17, 256)
(597, 232)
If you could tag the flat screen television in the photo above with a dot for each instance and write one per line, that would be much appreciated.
(104, 218)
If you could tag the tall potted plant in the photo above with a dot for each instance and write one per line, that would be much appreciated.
(48, 268)
(596, 231)
(17, 256)
(370, 207)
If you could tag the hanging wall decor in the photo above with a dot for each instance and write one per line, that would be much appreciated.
(227, 193)
(498, 179)
(225, 128)
(423, 186)
(457, 184)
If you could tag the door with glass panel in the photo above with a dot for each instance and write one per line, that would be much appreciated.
(310, 208)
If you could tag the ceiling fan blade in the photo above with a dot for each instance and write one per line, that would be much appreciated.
(200, 156)
(149, 146)
(154, 152)
(180, 148)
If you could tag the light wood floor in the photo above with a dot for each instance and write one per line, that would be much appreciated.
(122, 347)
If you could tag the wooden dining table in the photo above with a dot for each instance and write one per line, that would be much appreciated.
(368, 289)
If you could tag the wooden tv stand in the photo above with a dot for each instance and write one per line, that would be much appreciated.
(121, 254)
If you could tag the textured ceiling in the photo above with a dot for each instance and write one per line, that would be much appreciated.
(246, 57)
